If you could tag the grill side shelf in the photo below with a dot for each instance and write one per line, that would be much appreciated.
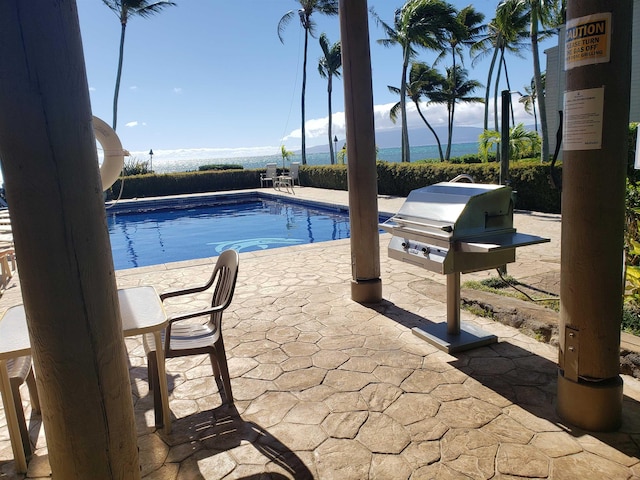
(494, 243)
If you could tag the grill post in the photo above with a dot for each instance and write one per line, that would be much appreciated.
(453, 303)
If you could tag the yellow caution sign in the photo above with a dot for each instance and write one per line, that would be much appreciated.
(588, 40)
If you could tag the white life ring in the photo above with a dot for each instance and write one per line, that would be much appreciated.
(114, 154)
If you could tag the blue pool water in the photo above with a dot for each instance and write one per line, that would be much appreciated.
(183, 232)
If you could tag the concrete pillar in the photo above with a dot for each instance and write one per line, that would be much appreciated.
(53, 188)
(366, 285)
(596, 113)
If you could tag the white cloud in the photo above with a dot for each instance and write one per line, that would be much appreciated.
(92, 89)
(316, 131)
(465, 115)
(177, 90)
(208, 153)
(133, 87)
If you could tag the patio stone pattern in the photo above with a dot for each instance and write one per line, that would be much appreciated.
(326, 388)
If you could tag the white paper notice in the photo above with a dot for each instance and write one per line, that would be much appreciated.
(582, 126)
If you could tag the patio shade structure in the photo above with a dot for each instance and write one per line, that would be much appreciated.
(53, 185)
(596, 119)
(366, 286)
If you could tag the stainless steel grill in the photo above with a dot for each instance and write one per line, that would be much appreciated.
(450, 228)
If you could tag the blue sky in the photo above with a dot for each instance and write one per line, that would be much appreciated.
(213, 77)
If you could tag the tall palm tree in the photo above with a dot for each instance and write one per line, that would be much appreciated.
(457, 89)
(507, 32)
(543, 13)
(423, 82)
(471, 31)
(125, 9)
(419, 23)
(329, 67)
(307, 8)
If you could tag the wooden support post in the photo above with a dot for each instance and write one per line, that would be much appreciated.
(366, 285)
(596, 122)
(54, 192)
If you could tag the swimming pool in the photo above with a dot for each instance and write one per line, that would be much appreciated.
(169, 230)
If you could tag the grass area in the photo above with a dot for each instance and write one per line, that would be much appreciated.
(510, 287)
(630, 313)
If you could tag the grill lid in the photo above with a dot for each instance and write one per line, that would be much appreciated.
(456, 210)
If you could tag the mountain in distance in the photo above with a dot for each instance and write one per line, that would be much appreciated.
(417, 137)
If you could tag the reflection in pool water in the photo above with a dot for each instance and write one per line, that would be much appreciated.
(169, 235)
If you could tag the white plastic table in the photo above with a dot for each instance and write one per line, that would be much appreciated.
(14, 342)
(283, 181)
(141, 311)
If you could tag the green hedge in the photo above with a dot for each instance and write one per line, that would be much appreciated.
(152, 185)
(529, 179)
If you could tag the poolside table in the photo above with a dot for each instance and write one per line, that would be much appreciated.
(283, 181)
(141, 311)
(14, 343)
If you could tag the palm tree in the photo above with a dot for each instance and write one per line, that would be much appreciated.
(423, 82)
(507, 32)
(529, 100)
(471, 31)
(307, 8)
(543, 13)
(328, 67)
(455, 90)
(522, 143)
(126, 9)
(419, 23)
(286, 154)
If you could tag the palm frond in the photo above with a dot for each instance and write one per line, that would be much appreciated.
(284, 21)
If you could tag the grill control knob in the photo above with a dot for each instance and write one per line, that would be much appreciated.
(404, 245)
(425, 251)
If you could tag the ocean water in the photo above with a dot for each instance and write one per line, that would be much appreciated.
(168, 165)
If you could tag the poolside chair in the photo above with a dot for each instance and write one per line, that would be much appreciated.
(293, 173)
(184, 338)
(21, 371)
(270, 175)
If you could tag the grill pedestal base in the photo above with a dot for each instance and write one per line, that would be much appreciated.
(469, 337)
(454, 336)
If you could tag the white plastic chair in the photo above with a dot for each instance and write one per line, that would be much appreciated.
(270, 175)
(294, 173)
(184, 338)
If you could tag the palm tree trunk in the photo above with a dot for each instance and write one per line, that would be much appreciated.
(488, 90)
(118, 76)
(405, 156)
(495, 92)
(450, 109)
(432, 131)
(537, 75)
(304, 88)
(535, 115)
(329, 89)
(68, 283)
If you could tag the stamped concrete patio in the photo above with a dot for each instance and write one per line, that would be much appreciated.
(330, 389)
